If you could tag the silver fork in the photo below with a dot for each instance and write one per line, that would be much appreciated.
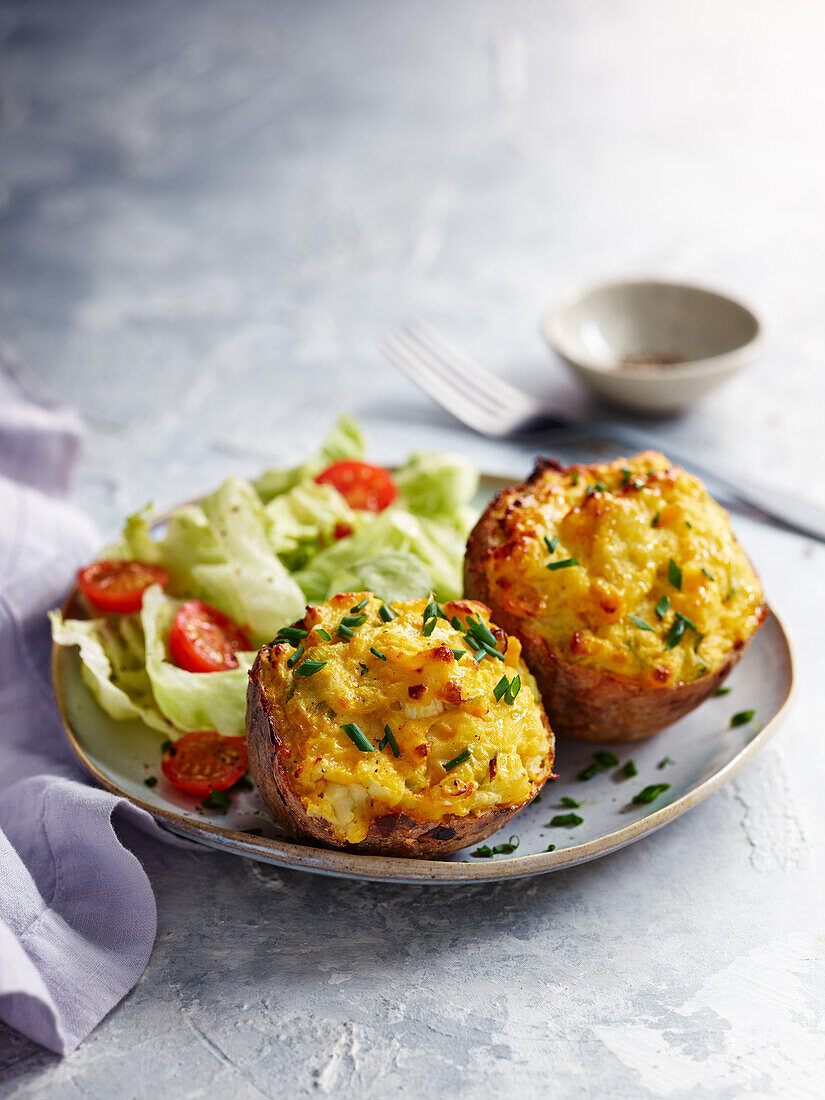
(494, 408)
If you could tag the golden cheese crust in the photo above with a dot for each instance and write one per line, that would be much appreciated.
(470, 753)
(631, 596)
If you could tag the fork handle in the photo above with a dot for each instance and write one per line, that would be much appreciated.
(735, 491)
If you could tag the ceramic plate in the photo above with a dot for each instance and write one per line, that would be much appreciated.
(695, 757)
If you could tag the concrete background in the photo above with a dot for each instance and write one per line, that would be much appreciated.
(210, 213)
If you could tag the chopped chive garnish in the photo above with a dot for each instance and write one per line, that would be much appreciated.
(588, 773)
(488, 649)
(309, 668)
(674, 574)
(295, 657)
(674, 635)
(507, 689)
(364, 668)
(345, 632)
(551, 543)
(429, 626)
(459, 653)
(477, 629)
(358, 737)
(479, 655)
(457, 623)
(663, 763)
(291, 634)
(359, 606)
(597, 488)
(513, 690)
(377, 653)
(708, 575)
(629, 770)
(662, 606)
(506, 849)
(685, 620)
(743, 717)
(642, 625)
(563, 564)
(456, 760)
(550, 848)
(606, 759)
(353, 621)
(650, 794)
(319, 630)
(569, 802)
(721, 691)
(575, 477)
(500, 688)
(655, 521)
(625, 475)
(243, 784)
(388, 739)
(217, 800)
(484, 852)
(566, 821)
(166, 746)
(151, 781)
(387, 613)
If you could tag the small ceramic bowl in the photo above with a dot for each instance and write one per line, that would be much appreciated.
(653, 346)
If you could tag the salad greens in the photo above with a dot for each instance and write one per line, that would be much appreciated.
(259, 551)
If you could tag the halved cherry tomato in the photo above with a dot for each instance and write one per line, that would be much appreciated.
(364, 486)
(119, 585)
(205, 761)
(203, 639)
(342, 531)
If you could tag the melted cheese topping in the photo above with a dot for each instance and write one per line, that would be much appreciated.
(623, 523)
(436, 706)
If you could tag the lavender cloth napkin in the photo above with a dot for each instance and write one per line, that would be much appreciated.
(77, 912)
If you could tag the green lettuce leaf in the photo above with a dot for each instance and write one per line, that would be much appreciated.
(303, 520)
(113, 666)
(392, 575)
(440, 486)
(438, 547)
(251, 584)
(191, 700)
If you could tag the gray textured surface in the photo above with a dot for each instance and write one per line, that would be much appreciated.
(209, 214)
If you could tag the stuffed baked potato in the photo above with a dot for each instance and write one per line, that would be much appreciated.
(410, 729)
(626, 586)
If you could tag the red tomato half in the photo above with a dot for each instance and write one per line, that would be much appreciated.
(203, 639)
(119, 585)
(362, 485)
(205, 761)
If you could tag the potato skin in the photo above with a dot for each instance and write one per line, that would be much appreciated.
(391, 835)
(581, 701)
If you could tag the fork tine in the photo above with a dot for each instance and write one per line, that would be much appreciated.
(439, 388)
(427, 361)
(460, 364)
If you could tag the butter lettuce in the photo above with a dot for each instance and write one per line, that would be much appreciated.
(113, 666)
(440, 486)
(251, 585)
(191, 700)
(392, 575)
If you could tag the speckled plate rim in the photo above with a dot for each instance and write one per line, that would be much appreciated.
(397, 869)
